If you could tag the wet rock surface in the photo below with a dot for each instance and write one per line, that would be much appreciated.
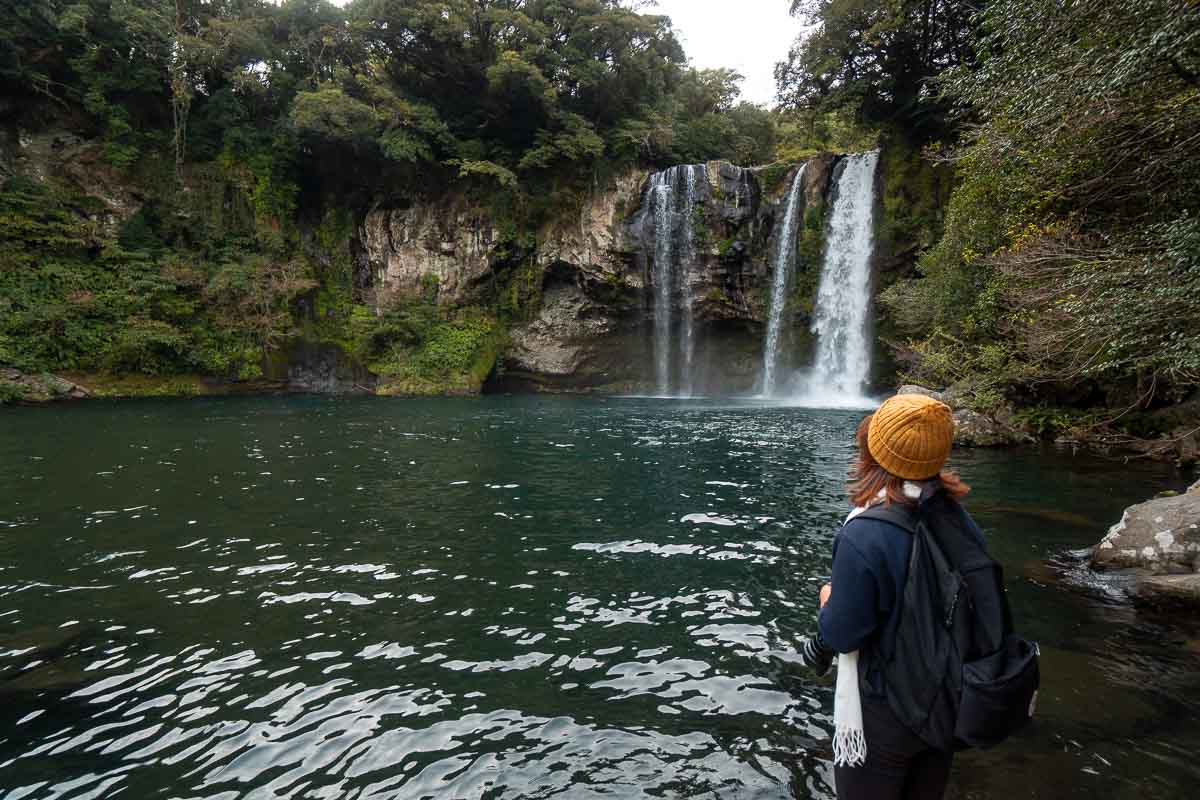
(1170, 590)
(557, 342)
(323, 369)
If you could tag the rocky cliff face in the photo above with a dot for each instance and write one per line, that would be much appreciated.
(75, 162)
(584, 318)
(592, 326)
(445, 247)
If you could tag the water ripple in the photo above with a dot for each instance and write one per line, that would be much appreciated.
(506, 598)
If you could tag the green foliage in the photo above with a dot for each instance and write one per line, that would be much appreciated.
(502, 175)
(71, 298)
(452, 346)
(1049, 422)
(709, 124)
(1073, 248)
(804, 133)
(421, 352)
(913, 196)
(330, 114)
(875, 59)
(10, 393)
(148, 346)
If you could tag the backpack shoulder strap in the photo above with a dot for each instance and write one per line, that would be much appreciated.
(898, 515)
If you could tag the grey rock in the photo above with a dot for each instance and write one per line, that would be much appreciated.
(558, 341)
(448, 244)
(1170, 590)
(44, 387)
(912, 388)
(324, 369)
(596, 240)
(1162, 536)
(57, 155)
(972, 429)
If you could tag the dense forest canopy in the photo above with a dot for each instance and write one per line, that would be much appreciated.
(499, 88)
(249, 128)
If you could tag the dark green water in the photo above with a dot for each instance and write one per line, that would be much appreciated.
(506, 597)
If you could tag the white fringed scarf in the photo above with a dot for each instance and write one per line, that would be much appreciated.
(849, 741)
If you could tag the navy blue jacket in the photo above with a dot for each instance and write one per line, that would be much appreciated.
(870, 565)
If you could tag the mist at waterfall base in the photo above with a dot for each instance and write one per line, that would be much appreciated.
(840, 369)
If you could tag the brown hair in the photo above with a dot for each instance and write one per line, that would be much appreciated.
(867, 478)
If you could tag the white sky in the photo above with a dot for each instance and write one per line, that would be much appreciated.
(747, 35)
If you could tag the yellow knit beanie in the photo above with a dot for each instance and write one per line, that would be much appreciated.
(911, 435)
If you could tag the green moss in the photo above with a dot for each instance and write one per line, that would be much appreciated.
(810, 253)
(431, 355)
(10, 393)
(913, 197)
(773, 179)
(717, 296)
(701, 233)
(115, 386)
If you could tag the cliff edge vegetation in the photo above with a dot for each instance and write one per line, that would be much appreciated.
(183, 183)
(1059, 285)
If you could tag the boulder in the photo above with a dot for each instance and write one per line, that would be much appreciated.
(1162, 536)
(556, 342)
(912, 388)
(42, 388)
(1170, 590)
(971, 428)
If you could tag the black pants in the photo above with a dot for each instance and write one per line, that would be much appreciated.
(899, 765)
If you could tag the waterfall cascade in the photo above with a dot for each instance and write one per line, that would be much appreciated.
(783, 265)
(843, 361)
(672, 197)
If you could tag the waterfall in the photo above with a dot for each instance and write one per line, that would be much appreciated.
(687, 256)
(843, 360)
(661, 201)
(783, 264)
(671, 199)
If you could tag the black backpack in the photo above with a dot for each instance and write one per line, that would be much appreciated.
(955, 673)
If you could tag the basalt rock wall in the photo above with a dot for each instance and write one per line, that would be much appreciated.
(590, 325)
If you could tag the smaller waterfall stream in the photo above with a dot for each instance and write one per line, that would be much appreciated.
(783, 264)
(843, 362)
(687, 256)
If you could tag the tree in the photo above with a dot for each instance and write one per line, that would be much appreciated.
(878, 60)
(1072, 242)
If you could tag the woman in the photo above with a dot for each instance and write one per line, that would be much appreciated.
(902, 449)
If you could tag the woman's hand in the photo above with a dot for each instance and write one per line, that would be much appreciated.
(826, 590)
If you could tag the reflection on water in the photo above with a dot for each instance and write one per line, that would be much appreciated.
(517, 598)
